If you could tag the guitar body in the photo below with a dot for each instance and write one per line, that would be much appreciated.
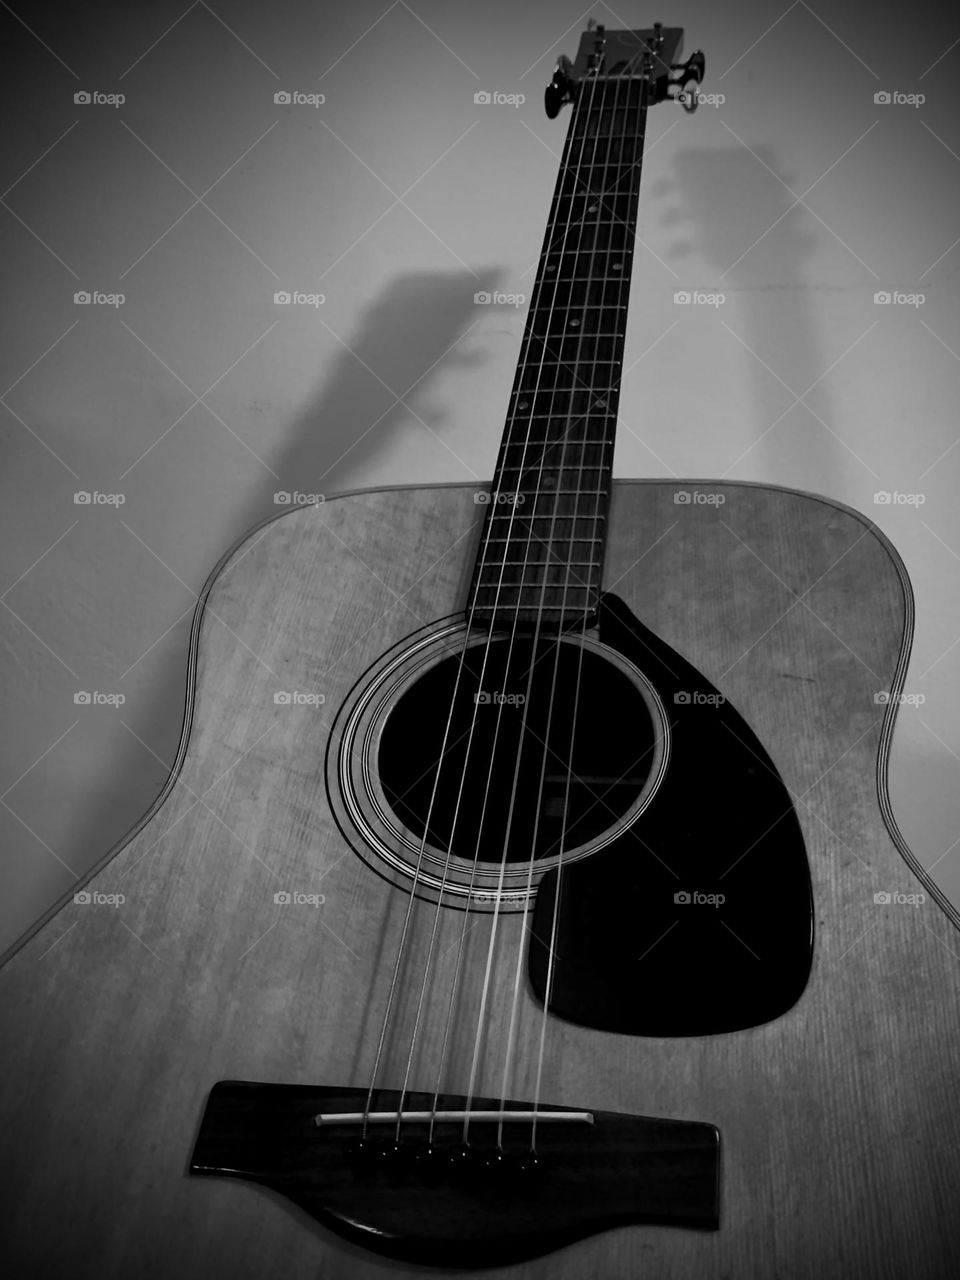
(838, 1118)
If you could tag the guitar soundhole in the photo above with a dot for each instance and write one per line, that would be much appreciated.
(508, 752)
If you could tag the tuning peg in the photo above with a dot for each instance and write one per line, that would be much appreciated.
(560, 88)
(693, 69)
(690, 72)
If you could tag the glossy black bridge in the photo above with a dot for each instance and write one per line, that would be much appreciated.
(448, 1204)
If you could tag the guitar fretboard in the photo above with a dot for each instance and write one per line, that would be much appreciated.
(541, 551)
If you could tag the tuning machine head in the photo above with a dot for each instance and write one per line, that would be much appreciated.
(688, 73)
(560, 89)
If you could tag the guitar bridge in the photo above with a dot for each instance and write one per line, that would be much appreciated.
(431, 1198)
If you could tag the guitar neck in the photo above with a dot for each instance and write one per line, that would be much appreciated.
(541, 552)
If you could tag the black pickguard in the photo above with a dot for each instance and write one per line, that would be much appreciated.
(630, 956)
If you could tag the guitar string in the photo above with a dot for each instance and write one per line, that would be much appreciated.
(418, 868)
(449, 849)
(611, 141)
(584, 141)
(548, 984)
(417, 873)
(455, 988)
(488, 970)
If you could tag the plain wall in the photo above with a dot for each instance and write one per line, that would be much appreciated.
(399, 198)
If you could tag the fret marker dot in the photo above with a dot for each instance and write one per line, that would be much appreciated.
(617, 266)
(574, 323)
(524, 404)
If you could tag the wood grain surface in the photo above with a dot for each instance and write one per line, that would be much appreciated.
(839, 1121)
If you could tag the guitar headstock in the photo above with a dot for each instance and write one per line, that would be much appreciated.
(649, 54)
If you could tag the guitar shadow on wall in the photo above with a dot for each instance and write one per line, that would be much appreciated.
(736, 215)
(409, 337)
(722, 200)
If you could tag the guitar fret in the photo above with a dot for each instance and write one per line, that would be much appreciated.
(575, 253)
(578, 539)
(566, 440)
(603, 222)
(595, 391)
(565, 493)
(593, 279)
(570, 515)
(562, 364)
(541, 470)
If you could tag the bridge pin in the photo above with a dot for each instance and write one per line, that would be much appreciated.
(465, 1161)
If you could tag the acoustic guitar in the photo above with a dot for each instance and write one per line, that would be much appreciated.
(525, 893)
